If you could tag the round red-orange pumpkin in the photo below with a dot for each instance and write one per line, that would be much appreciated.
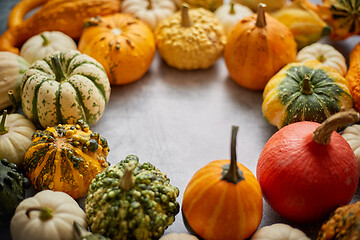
(306, 170)
(223, 201)
(257, 48)
(123, 44)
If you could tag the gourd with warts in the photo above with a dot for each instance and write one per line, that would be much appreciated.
(66, 158)
(131, 201)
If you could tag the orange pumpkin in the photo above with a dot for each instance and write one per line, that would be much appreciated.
(257, 48)
(124, 45)
(223, 193)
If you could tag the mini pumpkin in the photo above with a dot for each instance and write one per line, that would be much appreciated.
(178, 236)
(223, 200)
(279, 231)
(66, 158)
(306, 91)
(64, 87)
(353, 75)
(352, 135)
(149, 11)
(40, 46)
(211, 5)
(190, 39)
(271, 5)
(124, 45)
(48, 215)
(257, 48)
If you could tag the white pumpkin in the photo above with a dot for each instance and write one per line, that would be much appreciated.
(149, 11)
(48, 215)
(45, 43)
(279, 231)
(230, 14)
(12, 69)
(352, 135)
(271, 5)
(15, 137)
(324, 53)
(178, 236)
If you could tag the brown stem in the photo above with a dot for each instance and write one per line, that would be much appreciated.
(45, 40)
(322, 134)
(232, 9)
(261, 20)
(185, 18)
(232, 173)
(46, 213)
(3, 128)
(127, 181)
(150, 5)
(13, 101)
(306, 86)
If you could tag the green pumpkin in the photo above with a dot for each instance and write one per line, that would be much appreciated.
(131, 201)
(307, 91)
(63, 88)
(12, 190)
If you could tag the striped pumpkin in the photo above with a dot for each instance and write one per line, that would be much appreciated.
(64, 87)
(65, 158)
(307, 91)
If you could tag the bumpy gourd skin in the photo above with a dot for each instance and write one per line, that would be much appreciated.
(143, 212)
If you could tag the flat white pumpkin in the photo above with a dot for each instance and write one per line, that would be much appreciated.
(48, 215)
(324, 53)
(230, 14)
(12, 69)
(45, 43)
(178, 236)
(15, 137)
(279, 231)
(149, 11)
(352, 135)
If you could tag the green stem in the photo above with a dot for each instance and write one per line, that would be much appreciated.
(59, 72)
(233, 174)
(46, 213)
(13, 101)
(3, 128)
(232, 9)
(306, 86)
(45, 40)
(127, 181)
(185, 18)
(261, 20)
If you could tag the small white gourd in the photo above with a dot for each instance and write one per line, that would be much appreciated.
(149, 11)
(279, 231)
(324, 53)
(44, 44)
(230, 14)
(352, 135)
(178, 236)
(48, 215)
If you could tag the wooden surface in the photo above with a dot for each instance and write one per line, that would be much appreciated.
(181, 120)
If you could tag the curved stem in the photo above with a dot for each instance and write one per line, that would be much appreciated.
(261, 20)
(127, 181)
(46, 213)
(150, 5)
(306, 86)
(13, 101)
(45, 40)
(185, 18)
(322, 134)
(3, 128)
(232, 9)
(59, 72)
(233, 174)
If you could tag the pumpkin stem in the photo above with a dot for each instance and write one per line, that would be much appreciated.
(150, 5)
(46, 213)
(261, 20)
(13, 101)
(306, 86)
(59, 72)
(127, 181)
(322, 134)
(45, 40)
(233, 173)
(232, 9)
(185, 18)
(80, 231)
(3, 128)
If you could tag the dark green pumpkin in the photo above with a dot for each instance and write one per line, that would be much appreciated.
(12, 190)
(307, 91)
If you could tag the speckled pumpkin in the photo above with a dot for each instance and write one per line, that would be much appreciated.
(307, 91)
(66, 158)
(63, 88)
(190, 39)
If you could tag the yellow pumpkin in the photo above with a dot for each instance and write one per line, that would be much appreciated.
(258, 47)
(124, 45)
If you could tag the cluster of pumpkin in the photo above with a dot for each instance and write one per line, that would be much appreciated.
(57, 85)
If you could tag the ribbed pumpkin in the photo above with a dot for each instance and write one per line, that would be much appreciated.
(223, 200)
(258, 47)
(307, 91)
(123, 44)
(63, 88)
(66, 158)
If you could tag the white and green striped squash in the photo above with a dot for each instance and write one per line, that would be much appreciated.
(64, 87)
(306, 91)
